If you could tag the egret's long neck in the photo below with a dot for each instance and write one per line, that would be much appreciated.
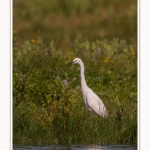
(83, 82)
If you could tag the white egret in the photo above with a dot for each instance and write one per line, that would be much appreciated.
(91, 100)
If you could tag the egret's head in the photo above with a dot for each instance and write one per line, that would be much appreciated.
(75, 61)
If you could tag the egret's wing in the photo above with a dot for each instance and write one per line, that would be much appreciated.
(95, 103)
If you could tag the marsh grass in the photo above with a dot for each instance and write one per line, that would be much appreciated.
(48, 107)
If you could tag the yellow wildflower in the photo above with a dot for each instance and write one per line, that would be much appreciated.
(132, 51)
(109, 72)
(32, 41)
(106, 59)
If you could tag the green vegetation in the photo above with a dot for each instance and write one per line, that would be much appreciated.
(48, 107)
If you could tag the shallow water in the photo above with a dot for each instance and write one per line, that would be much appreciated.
(75, 147)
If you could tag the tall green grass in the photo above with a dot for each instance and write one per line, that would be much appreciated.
(48, 107)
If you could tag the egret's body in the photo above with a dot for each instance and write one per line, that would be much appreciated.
(92, 101)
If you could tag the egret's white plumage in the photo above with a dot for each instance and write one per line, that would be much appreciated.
(92, 101)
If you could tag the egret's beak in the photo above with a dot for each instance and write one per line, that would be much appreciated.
(70, 63)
